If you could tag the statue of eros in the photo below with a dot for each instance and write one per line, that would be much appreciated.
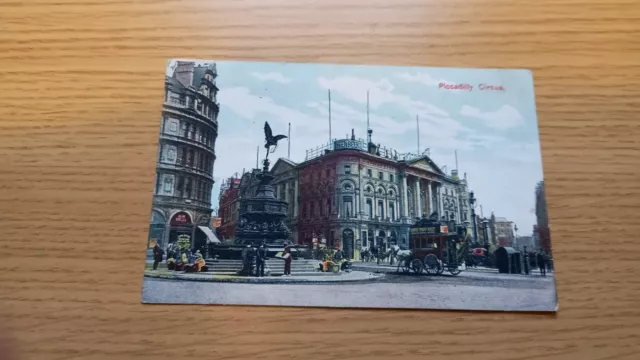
(270, 140)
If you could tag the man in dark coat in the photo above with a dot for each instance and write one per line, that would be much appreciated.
(542, 263)
(261, 259)
(247, 260)
(157, 256)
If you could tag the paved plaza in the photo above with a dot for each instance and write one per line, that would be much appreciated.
(467, 291)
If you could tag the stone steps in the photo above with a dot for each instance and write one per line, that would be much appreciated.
(276, 266)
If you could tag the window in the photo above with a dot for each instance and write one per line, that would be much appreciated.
(179, 186)
(348, 187)
(173, 127)
(168, 184)
(391, 177)
(305, 210)
(380, 209)
(190, 158)
(392, 211)
(327, 173)
(347, 169)
(380, 192)
(328, 206)
(187, 189)
(180, 158)
(183, 129)
(369, 208)
(369, 173)
(380, 175)
(364, 239)
(157, 184)
(171, 155)
(191, 132)
(347, 202)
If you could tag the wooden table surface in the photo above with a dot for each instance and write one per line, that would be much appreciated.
(80, 89)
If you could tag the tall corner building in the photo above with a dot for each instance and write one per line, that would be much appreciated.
(186, 156)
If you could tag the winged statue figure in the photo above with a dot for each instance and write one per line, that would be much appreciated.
(270, 140)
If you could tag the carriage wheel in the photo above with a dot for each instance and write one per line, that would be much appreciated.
(432, 265)
(454, 270)
(416, 266)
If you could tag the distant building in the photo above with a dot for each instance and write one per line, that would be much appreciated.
(184, 169)
(357, 194)
(228, 208)
(486, 232)
(529, 241)
(504, 232)
(541, 229)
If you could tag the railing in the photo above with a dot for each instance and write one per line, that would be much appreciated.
(181, 201)
(185, 167)
(188, 141)
(359, 145)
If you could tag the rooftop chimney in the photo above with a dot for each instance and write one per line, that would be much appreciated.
(454, 174)
(353, 134)
(184, 72)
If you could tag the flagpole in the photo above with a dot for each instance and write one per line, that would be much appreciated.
(289, 143)
(257, 156)
(368, 127)
(329, 91)
(418, 128)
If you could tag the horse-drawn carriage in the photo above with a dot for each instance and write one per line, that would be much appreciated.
(435, 246)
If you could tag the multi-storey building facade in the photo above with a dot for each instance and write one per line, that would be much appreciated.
(184, 171)
(541, 229)
(228, 208)
(359, 195)
(504, 231)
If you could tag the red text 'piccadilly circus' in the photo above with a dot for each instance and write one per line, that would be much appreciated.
(469, 87)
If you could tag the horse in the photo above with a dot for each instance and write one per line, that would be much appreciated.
(402, 256)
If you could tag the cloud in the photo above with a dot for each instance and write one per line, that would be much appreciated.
(420, 77)
(506, 117)
(271, 76)
(380, 92)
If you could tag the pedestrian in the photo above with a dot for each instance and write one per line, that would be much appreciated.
(542, 263)
(287, 261)
(261, 259)
(157, 256)
(246, 261)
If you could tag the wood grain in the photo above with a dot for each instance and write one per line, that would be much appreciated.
(80, 83)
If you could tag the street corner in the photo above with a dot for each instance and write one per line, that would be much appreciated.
(317, 278)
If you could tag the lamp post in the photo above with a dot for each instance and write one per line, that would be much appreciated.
(485, 223)
(472, 205)
(515, 228)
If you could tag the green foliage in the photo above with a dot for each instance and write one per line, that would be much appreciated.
(184, 242)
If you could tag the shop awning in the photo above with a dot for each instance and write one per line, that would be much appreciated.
(210, 235)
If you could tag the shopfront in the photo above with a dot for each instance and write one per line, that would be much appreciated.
(180, 224)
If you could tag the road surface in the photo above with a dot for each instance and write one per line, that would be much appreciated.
(471, 291)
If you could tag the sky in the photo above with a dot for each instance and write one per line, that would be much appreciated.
(494, 130)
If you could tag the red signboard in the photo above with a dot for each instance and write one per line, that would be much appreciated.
(181, 218)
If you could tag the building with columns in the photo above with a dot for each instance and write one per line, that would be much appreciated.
(184, 170)
(358, 194)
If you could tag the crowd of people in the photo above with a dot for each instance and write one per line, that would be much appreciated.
(254, 261)
(188, 260)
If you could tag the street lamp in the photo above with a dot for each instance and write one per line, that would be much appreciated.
(485, 223)
(472, 205)
(515, 228)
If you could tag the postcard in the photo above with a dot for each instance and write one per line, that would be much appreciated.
(349, 186)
